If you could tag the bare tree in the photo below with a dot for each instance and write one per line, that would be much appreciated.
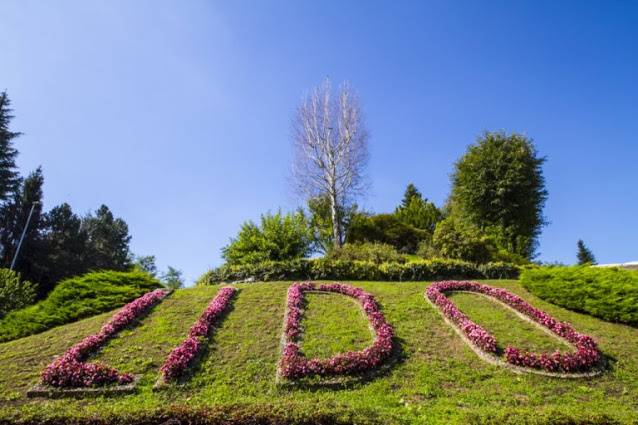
(331, 150)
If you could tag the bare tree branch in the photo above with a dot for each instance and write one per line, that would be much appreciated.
(330, 144)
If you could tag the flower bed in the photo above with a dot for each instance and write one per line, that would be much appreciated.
(586, 356)
(182, 357)
(294, 364)
(72, 370)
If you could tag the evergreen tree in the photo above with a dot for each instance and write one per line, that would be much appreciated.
(9, 177)
(584, 254)
(411, 192)
(108, 241)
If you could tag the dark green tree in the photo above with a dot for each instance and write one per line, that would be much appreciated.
(108, 241)
(386, 229)
(584, 254)
(9, 177)
(498, 186)
(411, 192)
(418, 211)
(66, 245)
(278, 237)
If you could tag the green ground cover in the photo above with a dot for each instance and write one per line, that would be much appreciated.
(438, 379)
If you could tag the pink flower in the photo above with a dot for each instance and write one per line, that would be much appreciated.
(72, 370)
(182, 357)
(586, 356)
(294, 365)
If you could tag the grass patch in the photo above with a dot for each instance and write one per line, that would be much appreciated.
(506, 326)
(337, 316)
(438, 380)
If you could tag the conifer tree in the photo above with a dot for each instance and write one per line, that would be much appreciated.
(584, 254)
(9, 177)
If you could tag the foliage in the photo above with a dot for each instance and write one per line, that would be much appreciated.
(327, 269)
(76, 298)
(9, 177)
(173, 278)
(146, 263)
(454, 238)
(321, 221)
(72, 369)
(279, 237)
(437, 380)
(417, 211)
(108, 240)
(15, 293)
(367, 251)
(586, 356)
(584, 254)
(498, 186)
(607, 293)
(385, 229)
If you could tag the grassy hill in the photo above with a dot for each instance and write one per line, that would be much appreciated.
(437, 379)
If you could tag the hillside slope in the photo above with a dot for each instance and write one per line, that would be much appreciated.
(438, 379)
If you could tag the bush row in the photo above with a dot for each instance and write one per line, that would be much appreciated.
(607, 293)
(326, 269)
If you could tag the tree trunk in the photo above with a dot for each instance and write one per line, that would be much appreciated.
(336, 223)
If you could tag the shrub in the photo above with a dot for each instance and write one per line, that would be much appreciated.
(14, 292)
(607, 293)
(327, 269)
(454, 238)
(386, 229)
(368, 251)
(77, 298)
(278, 237)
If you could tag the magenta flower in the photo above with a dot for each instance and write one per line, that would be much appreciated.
(586, 356)
(72, 370)
(293, 364)
(183, 356)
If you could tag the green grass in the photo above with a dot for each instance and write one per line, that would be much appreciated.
(350, 332)
(437, 380)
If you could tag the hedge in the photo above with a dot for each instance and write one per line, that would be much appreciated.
(607, 293)
(76, 298)
(326, 269)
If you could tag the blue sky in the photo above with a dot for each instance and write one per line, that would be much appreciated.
(177, 114)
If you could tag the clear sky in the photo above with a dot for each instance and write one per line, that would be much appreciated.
(176, 114)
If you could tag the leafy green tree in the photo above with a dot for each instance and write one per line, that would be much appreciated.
(321, 221)
(108, 241)
(584, 254)
(173, 278)
(385, 229)
(9, 177)
(498, 186)
(278, 237)
(146, 263)
(457, 239)
(15, 293)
